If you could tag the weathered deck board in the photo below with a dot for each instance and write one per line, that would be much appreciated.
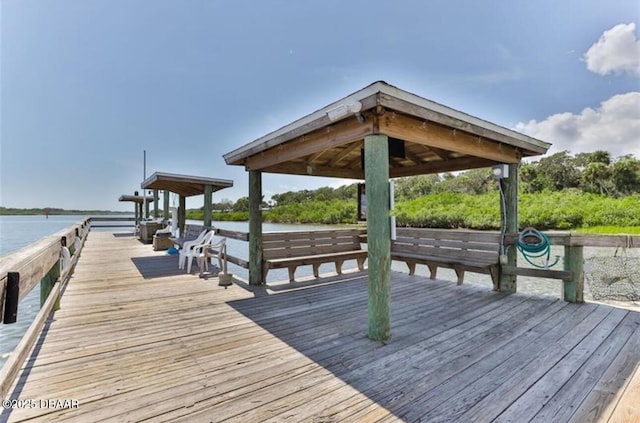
(137, 339)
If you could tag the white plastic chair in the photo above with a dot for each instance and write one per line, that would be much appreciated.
(197, 250)
(213, 249)
(187, 246)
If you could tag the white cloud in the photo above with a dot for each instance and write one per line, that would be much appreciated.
(617, 51)
(614, 126)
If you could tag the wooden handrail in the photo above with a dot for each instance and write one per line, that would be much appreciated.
(34, 261)
(585, 240)
(112, 219)
(32, 268)
(130, 220)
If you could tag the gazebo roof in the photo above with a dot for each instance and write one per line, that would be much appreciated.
(185, 185)
(424, 137)
(135, 198)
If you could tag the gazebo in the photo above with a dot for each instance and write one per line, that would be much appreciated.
(185, 186)
(138, 201)
(377, 133)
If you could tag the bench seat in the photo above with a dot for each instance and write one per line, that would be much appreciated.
(292, 249)
(191, 232)
(476, 252)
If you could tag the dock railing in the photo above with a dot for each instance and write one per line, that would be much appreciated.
(99, 222)
(237, 235)
(244, 236)
(573, 271)
(49, 262)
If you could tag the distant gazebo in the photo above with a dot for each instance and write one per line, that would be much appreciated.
(138, 202)
(377, 133)
(185, 186)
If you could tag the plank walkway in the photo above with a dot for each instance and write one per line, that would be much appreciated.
(137, 340)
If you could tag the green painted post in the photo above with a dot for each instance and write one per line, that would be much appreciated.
(509, 283)
(573, 262)
(376, 170)
(155, 203)
(46, 284)
(255, 228)
(208, 198)
(146, 209)
(165, 206)
(182, 213)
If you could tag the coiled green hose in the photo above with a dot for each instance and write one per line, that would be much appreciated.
(541, 248)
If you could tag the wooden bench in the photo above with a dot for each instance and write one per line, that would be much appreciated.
(191, 232)
(458, 250)
(293, 249)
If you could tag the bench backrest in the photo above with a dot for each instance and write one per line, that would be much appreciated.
(277, 245)
(474, 246)
(191, 232)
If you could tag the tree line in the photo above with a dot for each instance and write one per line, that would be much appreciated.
(593, 188)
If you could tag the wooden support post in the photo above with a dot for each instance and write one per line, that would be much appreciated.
(182, 213)
(146, 209)
(208, 197)
(155, 203)
(255, 228)
(46, 284)
(11, 299)
(165, 205)
(509, 207)
(573, 262)
(376, 169)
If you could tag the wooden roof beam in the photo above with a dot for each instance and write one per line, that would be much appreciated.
(413, 157)
(443, 154)
(452, 165)
(311, 170)
(345, 152)
(316, 156)
(432, 135)
(340, 133)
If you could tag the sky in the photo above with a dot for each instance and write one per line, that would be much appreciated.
(87, 85)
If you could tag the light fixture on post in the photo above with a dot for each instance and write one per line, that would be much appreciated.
(500, 171)
(343, 110)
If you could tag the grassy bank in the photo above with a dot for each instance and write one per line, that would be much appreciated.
(564, 210)
(568, 209)
(630, 230)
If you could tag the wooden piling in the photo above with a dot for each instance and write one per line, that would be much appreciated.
(46, 284)
(255, 228)
(573, 262)
(136, 211)
(11, 300)
(509, 208)
(182, 212)
(378, 235)
(208, 197)
(155, 203)
(146, 208)
(165, 205)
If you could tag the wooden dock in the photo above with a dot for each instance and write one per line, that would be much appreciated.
(136, 339)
